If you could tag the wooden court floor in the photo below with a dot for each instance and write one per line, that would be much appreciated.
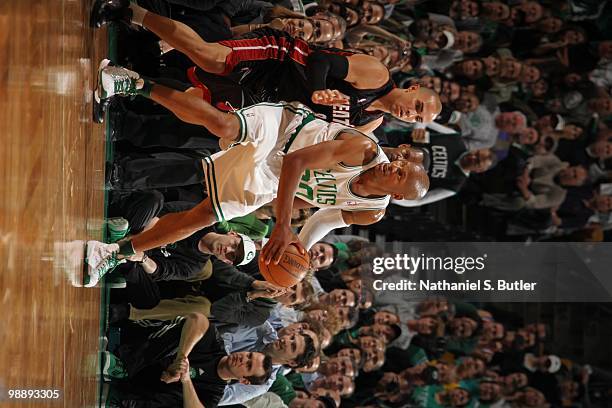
(51, 200)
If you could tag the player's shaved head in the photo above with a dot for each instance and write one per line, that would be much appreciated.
(418, 183)
(431, 104)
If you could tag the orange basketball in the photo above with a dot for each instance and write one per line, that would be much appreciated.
(291, 269)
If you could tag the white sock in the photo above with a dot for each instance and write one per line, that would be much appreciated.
(138, 14)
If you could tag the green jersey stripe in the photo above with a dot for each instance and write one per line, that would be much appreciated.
(305, 121)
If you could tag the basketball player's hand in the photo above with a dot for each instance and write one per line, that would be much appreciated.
(329, 97)
(280, 239)
(270, 290)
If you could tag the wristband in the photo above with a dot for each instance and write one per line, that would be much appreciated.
(126, 248)
(146, 88)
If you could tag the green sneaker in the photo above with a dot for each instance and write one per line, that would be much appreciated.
(115, 80)
(101, 259)
(112, 367)
(117, 228)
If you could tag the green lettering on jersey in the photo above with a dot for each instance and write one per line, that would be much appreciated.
(307, 192)
(326, 175)
(327, 189)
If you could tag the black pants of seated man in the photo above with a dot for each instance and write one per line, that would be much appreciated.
(137, 207)
(156, 171)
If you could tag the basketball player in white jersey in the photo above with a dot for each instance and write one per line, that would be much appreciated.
(273, 151)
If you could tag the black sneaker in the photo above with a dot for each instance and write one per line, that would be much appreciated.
(105, 11)
(113, 176)
(100, 107)
(116, 118)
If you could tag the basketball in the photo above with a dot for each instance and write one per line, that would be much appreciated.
(291, 269)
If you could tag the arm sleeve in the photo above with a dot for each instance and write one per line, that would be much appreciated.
(319, 225)
(333, 238)
(248, 225)
(321, 65)
(432, 196)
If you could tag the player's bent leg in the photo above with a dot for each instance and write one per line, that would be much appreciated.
(187, 106)
(208, 56)
(102, 258)
(190, 107)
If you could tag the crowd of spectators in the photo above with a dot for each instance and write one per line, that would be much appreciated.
(525, 86)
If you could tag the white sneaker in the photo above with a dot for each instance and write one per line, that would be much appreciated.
(115, 80)
(101, 258)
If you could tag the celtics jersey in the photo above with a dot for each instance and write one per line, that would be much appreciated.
(245, 176)
(331, 187)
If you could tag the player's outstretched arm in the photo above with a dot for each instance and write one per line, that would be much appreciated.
(352, 151)
(366, 72)
(360, 70)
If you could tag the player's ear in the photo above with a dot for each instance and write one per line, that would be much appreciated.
(413, 88)
(244, 381)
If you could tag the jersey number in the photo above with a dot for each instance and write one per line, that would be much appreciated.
(304, 190)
